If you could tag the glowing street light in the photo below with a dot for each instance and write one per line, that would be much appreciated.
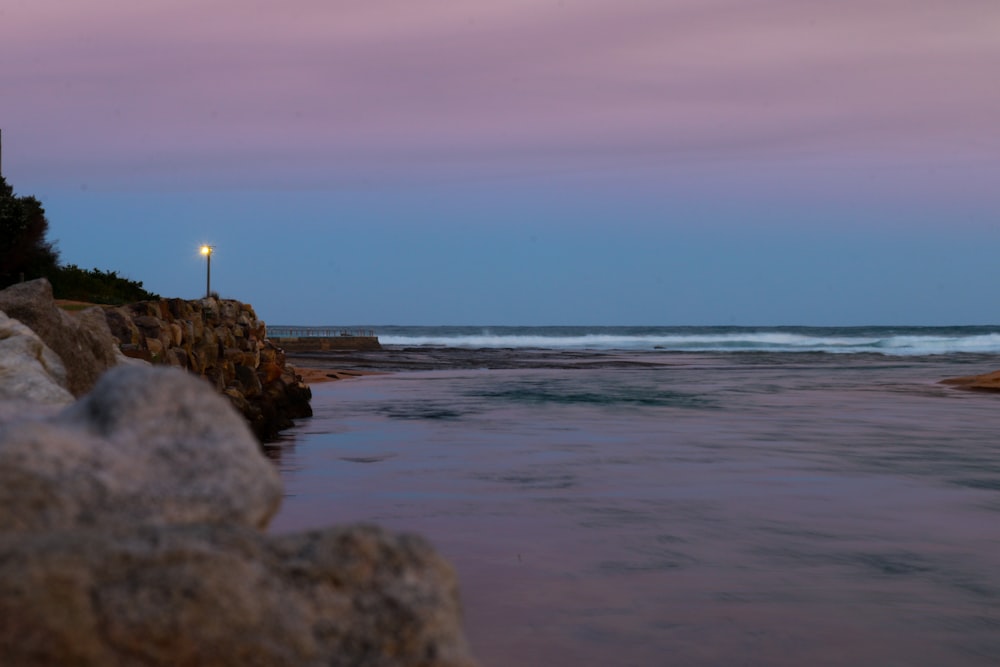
(207, 251)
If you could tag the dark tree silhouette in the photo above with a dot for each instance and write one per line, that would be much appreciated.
(26, 254)
(24, 250)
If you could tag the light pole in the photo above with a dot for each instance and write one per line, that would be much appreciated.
(207, 250)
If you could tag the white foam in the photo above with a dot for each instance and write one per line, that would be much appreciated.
(765, 341)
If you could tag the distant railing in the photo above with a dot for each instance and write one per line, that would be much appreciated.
(317, 332)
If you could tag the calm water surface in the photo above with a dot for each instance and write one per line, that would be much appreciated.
(645, 508)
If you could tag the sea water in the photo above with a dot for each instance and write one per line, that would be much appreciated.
(678, 497)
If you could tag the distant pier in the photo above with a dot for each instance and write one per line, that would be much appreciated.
(321, 339)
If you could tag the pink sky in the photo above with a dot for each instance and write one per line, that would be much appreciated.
(389, 89)
(521, 161)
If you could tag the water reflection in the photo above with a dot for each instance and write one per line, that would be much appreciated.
(821, 511)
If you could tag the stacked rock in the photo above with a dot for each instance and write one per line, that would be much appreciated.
(131, 526)
(83, 343)
(219, 339)
(223, 341)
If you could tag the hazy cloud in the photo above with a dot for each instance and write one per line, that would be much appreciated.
(396, 85)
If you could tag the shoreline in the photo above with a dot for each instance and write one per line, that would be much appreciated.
(312, 375)
(666, 507)
(982, 382)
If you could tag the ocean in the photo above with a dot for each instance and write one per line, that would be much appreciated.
(677, 496)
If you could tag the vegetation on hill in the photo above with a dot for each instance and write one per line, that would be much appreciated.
(24, 251)
(96, 286)
(26, 254)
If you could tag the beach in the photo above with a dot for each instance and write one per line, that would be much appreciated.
(638, 507)
(320, 375)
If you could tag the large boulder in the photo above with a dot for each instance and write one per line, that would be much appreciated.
(148, 445)
(84, 343)
(130, 535)
(226, 596)
(29, 370)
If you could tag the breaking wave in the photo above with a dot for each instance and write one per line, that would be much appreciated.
(838, 341)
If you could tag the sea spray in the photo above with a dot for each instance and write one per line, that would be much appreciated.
(890, 341)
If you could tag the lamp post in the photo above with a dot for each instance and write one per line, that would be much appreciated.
(207, 250)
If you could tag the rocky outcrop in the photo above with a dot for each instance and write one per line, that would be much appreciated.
(83, 342)
(220, 339)
(147, 445)
(985, 382)
(130, 535)
(223, 341)
(29, 370)
(226, 596)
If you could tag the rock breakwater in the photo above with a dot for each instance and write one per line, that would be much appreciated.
(134, 499)
(223, 341)
(82, 342)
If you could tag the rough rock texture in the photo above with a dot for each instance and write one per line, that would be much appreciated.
(83, 342)
(223, 341)
(148, 445)
(128, 536)
(29, 370)
(225, 595)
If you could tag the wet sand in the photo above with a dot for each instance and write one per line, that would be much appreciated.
(984, 382)
(320, 375)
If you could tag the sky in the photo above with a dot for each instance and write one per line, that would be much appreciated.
(532, 162)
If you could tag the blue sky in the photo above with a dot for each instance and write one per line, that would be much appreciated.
(578, 162)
